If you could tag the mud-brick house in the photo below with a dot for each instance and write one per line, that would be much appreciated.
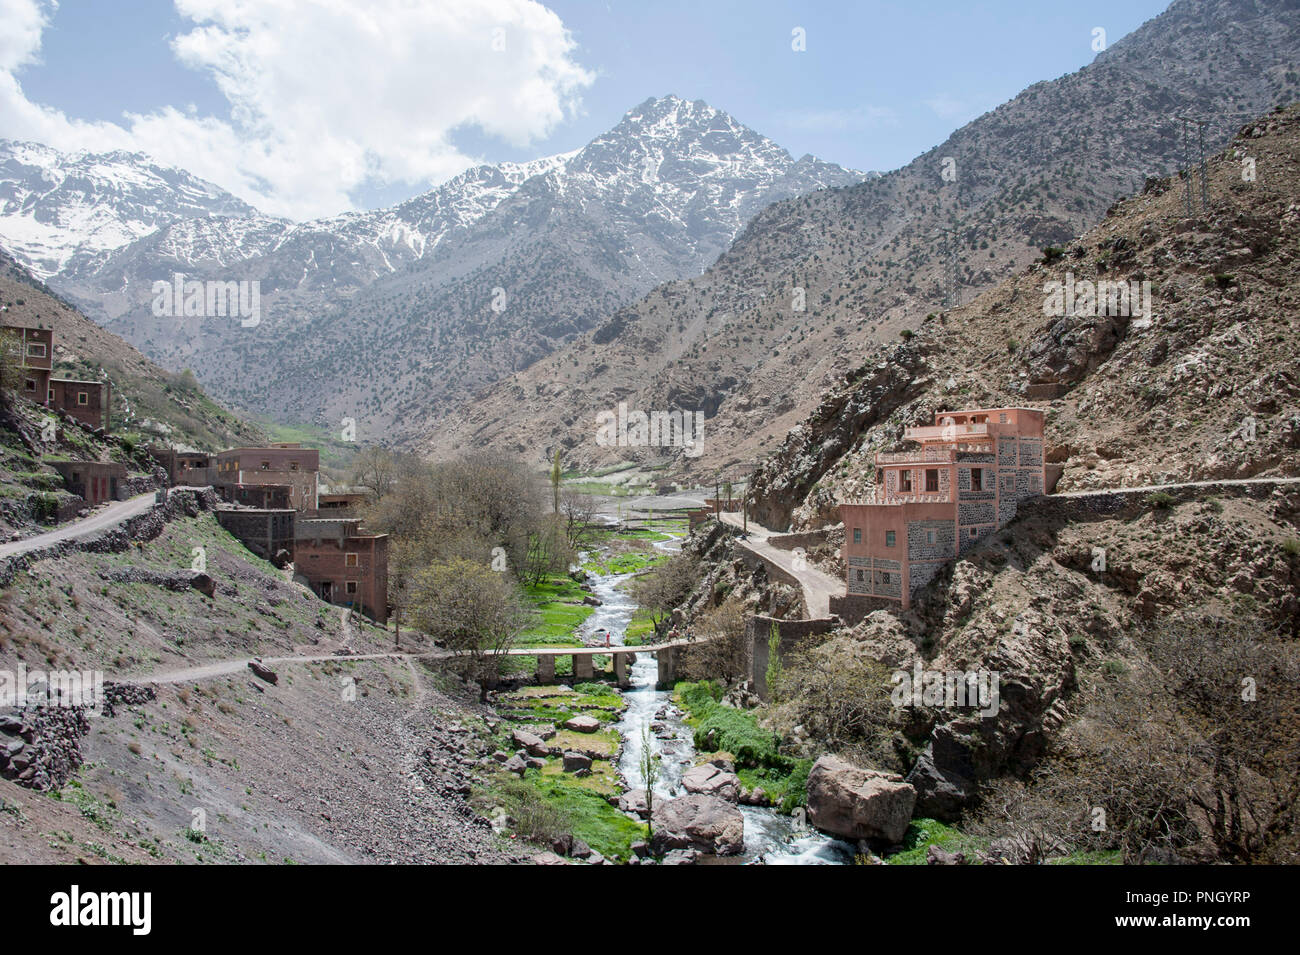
(34, 347)
(267, 532)
(93, 481)
(291, 465)
(192, 468)
(965, 479)
(87, 401)
(343, 565)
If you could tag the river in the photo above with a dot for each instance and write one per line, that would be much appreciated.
(770, 836)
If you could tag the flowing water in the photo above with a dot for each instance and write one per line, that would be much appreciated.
(770, 836)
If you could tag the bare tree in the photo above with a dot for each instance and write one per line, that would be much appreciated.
(666, 586)
(578, 511)
(1193, 753)
(375, 468)
(12, 374)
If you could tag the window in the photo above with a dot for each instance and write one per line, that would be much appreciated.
(889, 538)
(857, 535)
(313, 557)
(266, 465)
(293, 465)
(884, 578)
(860, 578)
(929, 537)
(35, 351)
(932, 479)
(905, 480)
(352, 586)
(1002, 419)
(30, 384)
(976, 479)
(973, 532)
(83, 398)
(350, 560)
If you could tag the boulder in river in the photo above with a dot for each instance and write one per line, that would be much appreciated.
(633, 801)
(854, 803)
(703, 823)
(712, 780)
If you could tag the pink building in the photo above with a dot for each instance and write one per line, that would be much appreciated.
(931, 505)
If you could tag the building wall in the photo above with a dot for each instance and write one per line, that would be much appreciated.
(1011, 471)
(267, 533)
(292, 466)
(68, 396)
(324, 563)
(94, 482)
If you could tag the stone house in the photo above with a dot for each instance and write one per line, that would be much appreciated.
(928, 506)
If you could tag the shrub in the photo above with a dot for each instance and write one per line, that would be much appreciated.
(1161, 500)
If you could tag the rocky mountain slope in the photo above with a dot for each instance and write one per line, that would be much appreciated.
(148, 401)
(389, 316)
(60, 211)
(1204, 387)
(815, 284)
(338, 761)
(1123, 664)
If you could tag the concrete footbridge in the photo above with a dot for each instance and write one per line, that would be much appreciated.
(584, 668)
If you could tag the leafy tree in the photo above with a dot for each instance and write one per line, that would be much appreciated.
(471, 610)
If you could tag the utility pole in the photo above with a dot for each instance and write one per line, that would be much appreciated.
(953, 296)
(1201, 163)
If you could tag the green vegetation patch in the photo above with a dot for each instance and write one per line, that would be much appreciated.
(923, 833)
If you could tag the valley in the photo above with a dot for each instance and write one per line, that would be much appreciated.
(668, 498)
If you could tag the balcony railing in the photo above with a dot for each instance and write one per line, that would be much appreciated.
(881, 497)
(932, 454)
(945, 432)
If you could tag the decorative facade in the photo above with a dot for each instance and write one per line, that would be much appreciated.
(967, 479)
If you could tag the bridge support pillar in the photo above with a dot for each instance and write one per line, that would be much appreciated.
(621, 661)
(582, 667)
(667, 658)
(546, 669)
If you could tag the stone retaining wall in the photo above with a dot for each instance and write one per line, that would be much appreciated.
(142, 527)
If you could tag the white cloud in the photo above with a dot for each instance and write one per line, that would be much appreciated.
(326, 95)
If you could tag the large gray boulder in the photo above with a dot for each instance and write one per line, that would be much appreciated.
(854, 803)
(703, 823)
(712, 780)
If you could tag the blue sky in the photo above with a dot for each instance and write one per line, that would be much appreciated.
(878, 83)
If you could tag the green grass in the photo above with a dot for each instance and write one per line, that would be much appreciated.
(735, 731)
(923, 833)
(560, 610)
(626, 563)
